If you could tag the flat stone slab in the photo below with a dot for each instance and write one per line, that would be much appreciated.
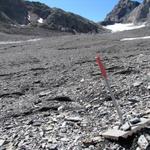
(115, 134)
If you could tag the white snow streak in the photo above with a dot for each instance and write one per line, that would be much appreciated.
(137, 38)
(17, 42)
(29, 17)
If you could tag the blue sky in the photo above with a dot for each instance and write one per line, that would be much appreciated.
(95, 10)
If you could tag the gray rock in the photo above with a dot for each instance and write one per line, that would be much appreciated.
(2, 141)
(97, 139)
(64, 139)
(61, 108)
(134, 99)
(125, 127)
(148, 77)
(138, 148)
(51, 139)
(91, 147)
(147, 137)
(73, 118)
(44, 93)
(148, 87)
(48, 128)
(142, 142)
(10, 146)
(135, 120)
(137, 83)
(37, 123)
(52, 147)
(77, 148)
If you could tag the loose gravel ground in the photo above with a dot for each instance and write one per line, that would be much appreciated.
(52, 95)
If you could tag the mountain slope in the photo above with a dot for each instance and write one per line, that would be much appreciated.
(35, 14)
(13, 11)
(120, 12)
(62, 20)
(141, 13)
(127, 11)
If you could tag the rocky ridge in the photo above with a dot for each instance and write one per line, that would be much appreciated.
(35, 14)
(16, 14)
(141, 13)
(120, 12)
(127, 11)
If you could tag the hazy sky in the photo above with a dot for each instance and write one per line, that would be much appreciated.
(95, 10)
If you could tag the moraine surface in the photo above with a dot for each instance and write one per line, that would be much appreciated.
(52, 95)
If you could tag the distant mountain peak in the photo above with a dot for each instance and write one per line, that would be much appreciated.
(127, 11)
(146, 1)
(121, 11)
(141, 13)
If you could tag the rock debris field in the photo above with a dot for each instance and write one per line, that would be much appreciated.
(52, 96)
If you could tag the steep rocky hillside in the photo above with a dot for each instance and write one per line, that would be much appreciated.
(141, 13)
(127, 11)
(17, 13)
(62, 20)
(120, 12)
(35, 14)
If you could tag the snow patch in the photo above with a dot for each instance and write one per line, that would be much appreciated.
(40, 20)
(137, 38)
(123, 27)
(17, 42)
(13, 25)
(33, 40)
(29, 17)
(23, 25)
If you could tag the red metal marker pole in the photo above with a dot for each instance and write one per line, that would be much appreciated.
(104, 75)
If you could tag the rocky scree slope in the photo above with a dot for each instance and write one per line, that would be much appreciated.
(35, 14)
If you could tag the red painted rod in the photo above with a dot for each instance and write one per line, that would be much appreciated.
(104, 74)
(101, 66)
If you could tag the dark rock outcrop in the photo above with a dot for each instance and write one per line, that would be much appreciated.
(38, 8)
(120, 12)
